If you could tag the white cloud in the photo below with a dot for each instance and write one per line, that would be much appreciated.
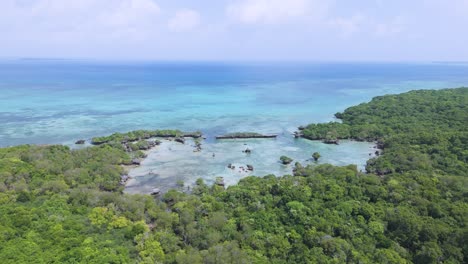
(276, 11)
(78, 18)
(372, 26)
(393, 27)
(184, 20)
(349, 26)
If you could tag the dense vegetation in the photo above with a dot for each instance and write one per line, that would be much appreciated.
(59, 205)
(422, 130)
(142, 134)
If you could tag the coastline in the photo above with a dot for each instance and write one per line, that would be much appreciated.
(172, 162)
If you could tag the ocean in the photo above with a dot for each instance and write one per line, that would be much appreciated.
(60, 101)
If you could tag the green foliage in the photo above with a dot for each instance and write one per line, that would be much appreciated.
(56, 206)
(59, 205)
(285, 160)
(138, 135)
(332, 130)
(419, 130)
(316, 156)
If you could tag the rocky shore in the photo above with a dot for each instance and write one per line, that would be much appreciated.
(244, 135)
(143, 135)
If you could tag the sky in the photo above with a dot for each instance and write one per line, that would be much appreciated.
(236, 30)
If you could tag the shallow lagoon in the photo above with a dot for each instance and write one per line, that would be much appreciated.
(171, 161)
(58, 102)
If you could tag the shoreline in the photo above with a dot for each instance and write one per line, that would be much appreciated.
(171, 161)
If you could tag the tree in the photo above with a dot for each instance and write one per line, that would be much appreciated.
(286, 160)
(316, 156)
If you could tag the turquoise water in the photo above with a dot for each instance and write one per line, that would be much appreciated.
(59, 101)
(44, 102)
(172, 162)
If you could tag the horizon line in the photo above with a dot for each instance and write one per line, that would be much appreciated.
(153, 60)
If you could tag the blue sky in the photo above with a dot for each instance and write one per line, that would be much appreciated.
(306, 30)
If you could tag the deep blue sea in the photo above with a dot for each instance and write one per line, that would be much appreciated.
(44, 102)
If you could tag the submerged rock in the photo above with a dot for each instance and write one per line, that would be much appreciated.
(155, 191)
(80, 142)
(250, 167)
(245, 135)
(136, 161)
(285, 160)
(297, 134)
(180, 140)
(331, 141)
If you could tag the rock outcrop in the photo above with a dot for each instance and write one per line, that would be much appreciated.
(245, 135)
(331, 141)
(180, 140)
(155, 191)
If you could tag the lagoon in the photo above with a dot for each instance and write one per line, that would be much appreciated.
(172, 162)
(60, 101)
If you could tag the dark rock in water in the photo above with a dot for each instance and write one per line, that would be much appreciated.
(297, 134)
(245, 135)
(80, 142)
(155, 191)
(285, 160)
(331, 141)
(136, 161)
(248, 151)
(377, 153)
(180, 140)
(301, 128)
(250, 167)
(229, 165)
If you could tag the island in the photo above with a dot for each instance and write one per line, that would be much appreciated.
(60, 205)
(138, 135)
(244, 135)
